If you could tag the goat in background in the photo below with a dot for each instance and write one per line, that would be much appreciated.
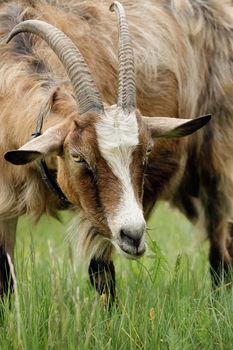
(183, 69)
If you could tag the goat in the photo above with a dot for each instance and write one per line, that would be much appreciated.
(180, 72)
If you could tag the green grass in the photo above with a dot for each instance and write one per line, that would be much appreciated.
(164, 301)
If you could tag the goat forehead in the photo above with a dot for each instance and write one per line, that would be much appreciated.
(117, 131)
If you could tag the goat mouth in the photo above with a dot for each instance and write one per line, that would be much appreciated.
(132, 252)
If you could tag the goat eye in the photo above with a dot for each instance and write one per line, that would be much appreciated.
(77, 158)
(148, 152)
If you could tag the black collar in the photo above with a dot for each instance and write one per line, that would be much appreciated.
(50, 181)
(47, 176)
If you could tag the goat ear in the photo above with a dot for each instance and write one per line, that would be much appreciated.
(174, 127)
(49, 143)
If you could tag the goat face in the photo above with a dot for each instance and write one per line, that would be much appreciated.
(101, 171)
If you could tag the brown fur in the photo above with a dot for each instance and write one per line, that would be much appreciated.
(87, 182)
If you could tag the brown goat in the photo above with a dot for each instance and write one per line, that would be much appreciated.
(183, 61)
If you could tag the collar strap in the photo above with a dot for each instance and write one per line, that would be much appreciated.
(52, 185)
(46, 175)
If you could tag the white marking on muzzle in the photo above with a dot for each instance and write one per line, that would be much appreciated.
(117, 136)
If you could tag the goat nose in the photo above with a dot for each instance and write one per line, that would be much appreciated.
(132, 238)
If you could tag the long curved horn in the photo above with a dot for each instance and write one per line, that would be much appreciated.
(86, 93)
(127, 89)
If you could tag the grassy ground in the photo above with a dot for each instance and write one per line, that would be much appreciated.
(164, 301)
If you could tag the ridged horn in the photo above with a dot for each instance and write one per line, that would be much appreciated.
(127, 89)
(86, 92)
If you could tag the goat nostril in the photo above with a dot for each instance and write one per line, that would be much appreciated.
(128, 238)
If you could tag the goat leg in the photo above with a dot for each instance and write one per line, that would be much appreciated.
(217, 208)
(102, 277)
(7, 242)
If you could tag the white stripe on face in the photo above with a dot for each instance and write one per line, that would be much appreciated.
(117, 136)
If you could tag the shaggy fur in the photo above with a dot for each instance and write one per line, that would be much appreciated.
(184, 68)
